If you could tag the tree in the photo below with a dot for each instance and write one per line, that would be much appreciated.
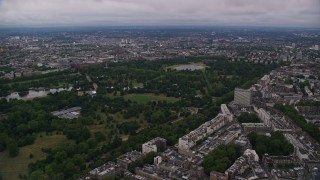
(37, 175)
(99, 136)
(276, 145)
(3, 139)
(221, 158)
(60, 156)
(49, 171)
(129, 127)
(77, 132)
(149, 158)
(261, 148)
(13, 149)
(158, 117)
(248, 118)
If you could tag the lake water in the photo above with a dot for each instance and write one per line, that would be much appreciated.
(35, 94)
(189, 67)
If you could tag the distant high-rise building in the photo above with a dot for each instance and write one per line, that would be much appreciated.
(242, 97)
(299, 55)
(316, 47)
(293, 45)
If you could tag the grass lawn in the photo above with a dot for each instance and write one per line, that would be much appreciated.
(10, 168)
(135, 83)
(144, 98)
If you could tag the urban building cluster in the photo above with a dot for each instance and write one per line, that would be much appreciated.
(37, 53)
(296, 85)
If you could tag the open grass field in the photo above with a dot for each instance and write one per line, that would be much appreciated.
(10, 168)
(136, 84)
(145, 98)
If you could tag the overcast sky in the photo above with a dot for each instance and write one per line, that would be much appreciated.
(304, 13)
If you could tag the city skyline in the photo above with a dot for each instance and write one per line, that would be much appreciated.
(47, 13)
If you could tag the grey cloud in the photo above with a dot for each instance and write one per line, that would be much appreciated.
(124, 12)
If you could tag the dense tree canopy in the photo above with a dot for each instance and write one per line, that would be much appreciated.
(221, 158)
(248, 118)
(276, 145)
